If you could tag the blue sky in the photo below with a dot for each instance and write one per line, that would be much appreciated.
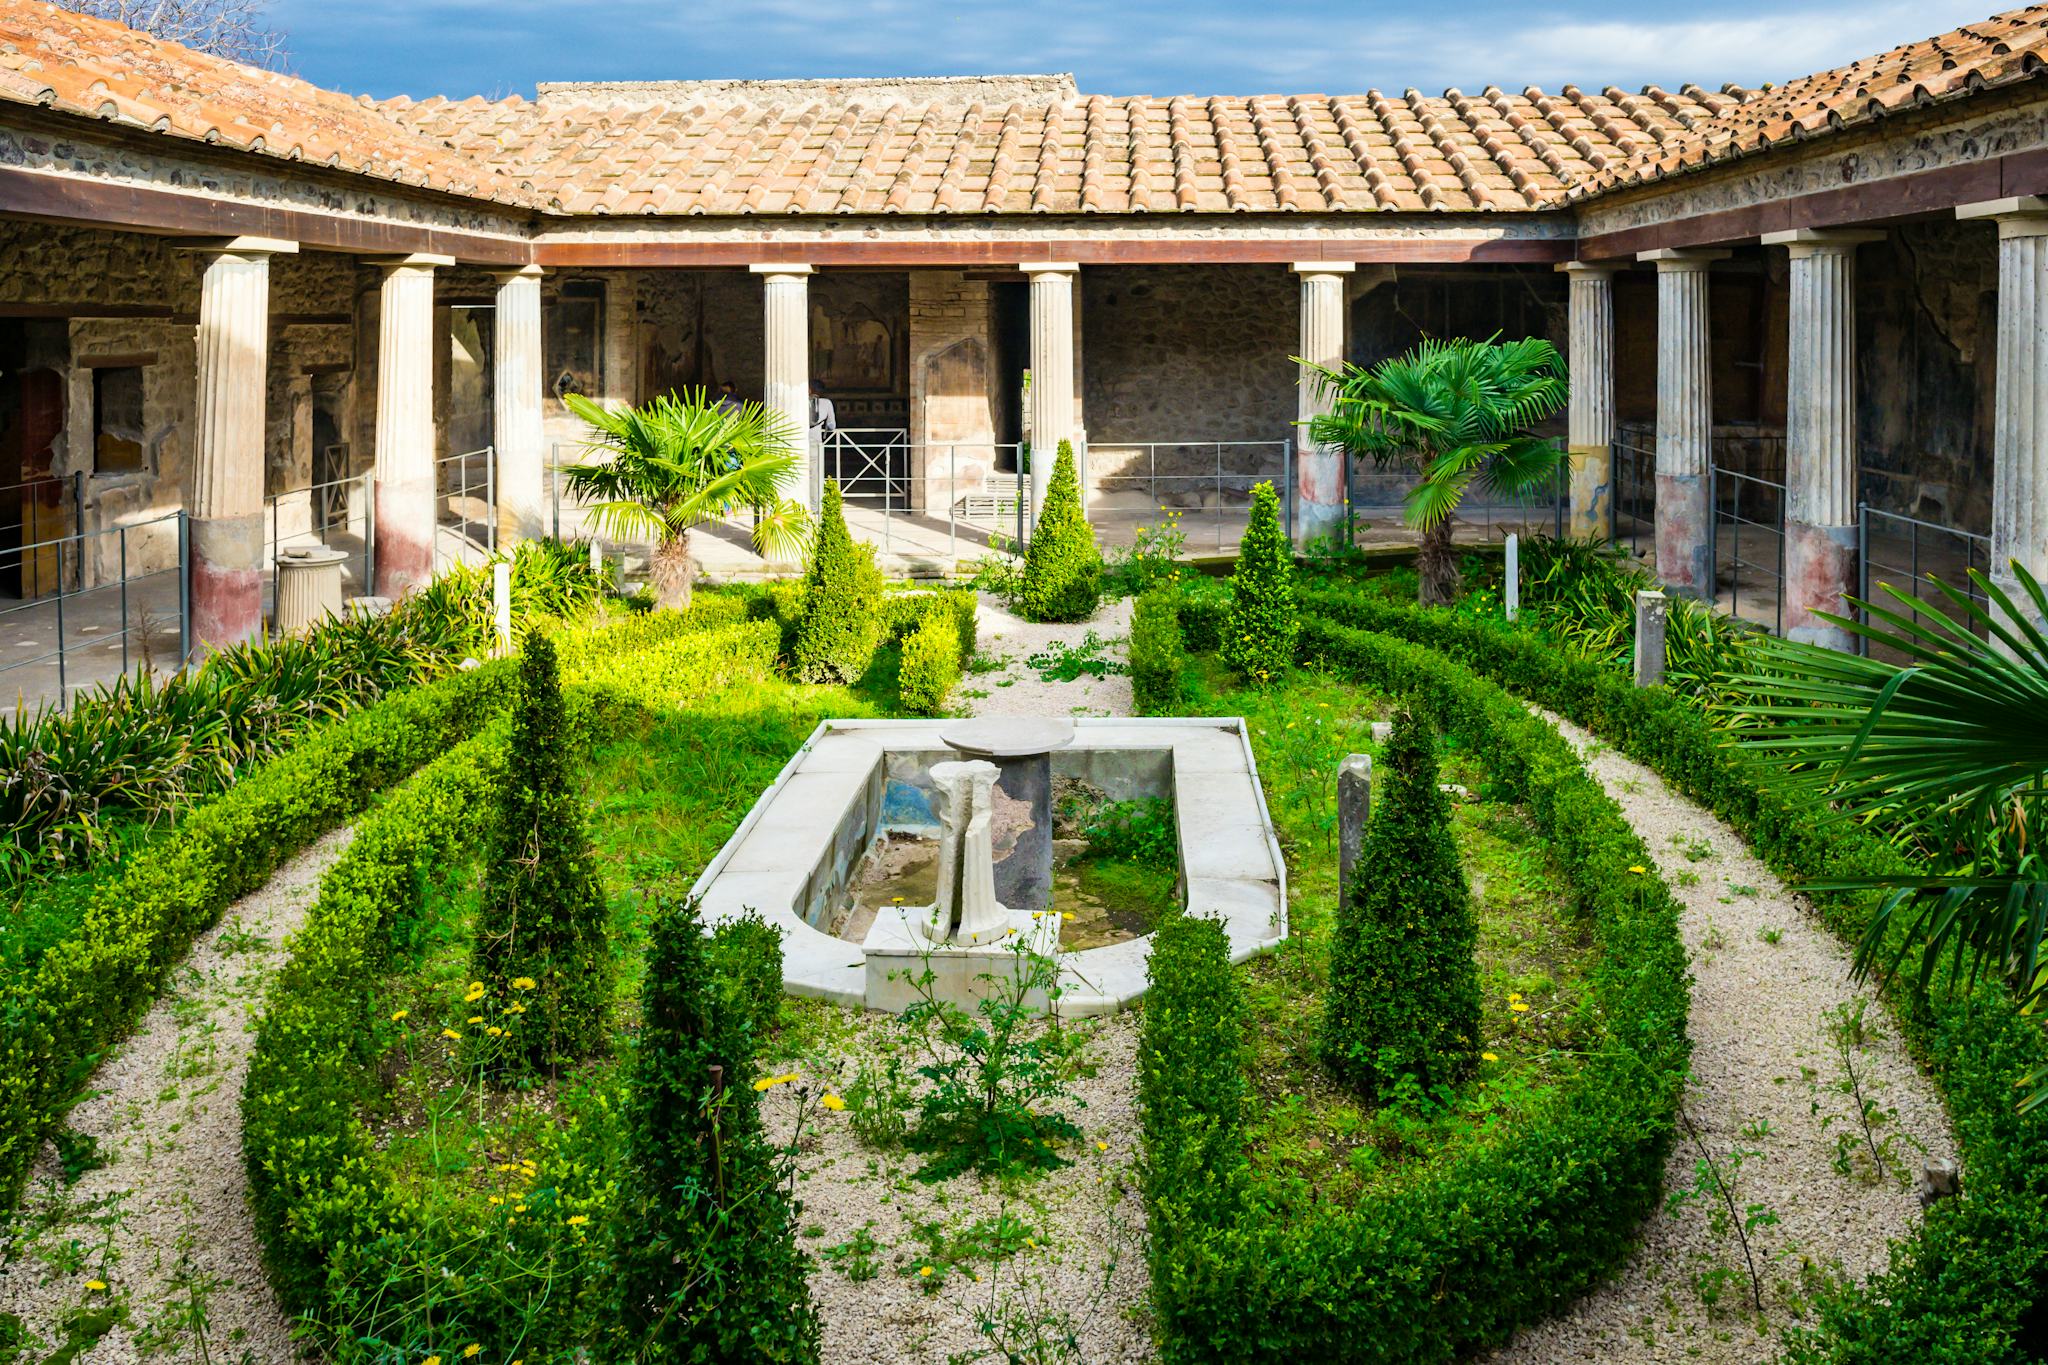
(1159, 47)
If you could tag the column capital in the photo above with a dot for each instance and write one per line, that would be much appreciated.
(242, 246)
(1814, 241)
(1591, 270)
(1323, 267)
(1037, 268)
(2020, 216)
(523, 272)
(781, 268)
(417, 260)
(1677, 259)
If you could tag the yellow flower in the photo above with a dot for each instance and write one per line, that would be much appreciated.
(476, 992)
(925, 1270)
(449, 1033)
(495, 1031)
(833, 1102)
(1488, 1056)
(472, 1350)
(476, 1018)
(400, 1014)
(95, 1285)
(895, 900)
(1520, 1007)
(1101, 1146)
(579, 1220)
(1066, 914)
(1637, 867)
(432, 1360)
(519, 1208)
(515, 1008)
(523, 983)
(770, 1082)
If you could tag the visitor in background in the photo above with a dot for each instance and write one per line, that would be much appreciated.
(824, 421)
(728, 397)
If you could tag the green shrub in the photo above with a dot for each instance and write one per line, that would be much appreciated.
(1062, 567)
(706, 1244)
(1499, 1232)
(931, 666)
(1204, 610)
(746, 959)
(837, 627)
(87, 990)
(1157, 659)
(541, 919)
(904, 612)
(674, 669)
(1970, 1286)
(1404, 985)
(1258, 637)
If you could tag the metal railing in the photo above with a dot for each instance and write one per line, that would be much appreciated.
(466, 502)
(1126, 487)
(1632, 485)
(1891, 543)
(24, 553)
(869, 462)
(339, 513)
(81, 632)
(1737, 501)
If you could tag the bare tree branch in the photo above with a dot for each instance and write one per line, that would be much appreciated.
(235, 29)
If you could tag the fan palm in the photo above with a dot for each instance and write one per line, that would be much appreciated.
(1948, 751)
(1457, 413)
(680, 461)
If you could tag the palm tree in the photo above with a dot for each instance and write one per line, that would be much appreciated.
(1455, 412)
(1948, 752)
(680, 461)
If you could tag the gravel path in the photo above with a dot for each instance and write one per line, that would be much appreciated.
(1067, 1281)
(1766, 974)
(164, 1224)
(1016, 689)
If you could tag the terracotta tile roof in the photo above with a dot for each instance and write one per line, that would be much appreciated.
(99, 69)
(2002, 50)
(1016, 145)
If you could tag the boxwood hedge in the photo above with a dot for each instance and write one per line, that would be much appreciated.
(1498, 1233)
(1973, 1285)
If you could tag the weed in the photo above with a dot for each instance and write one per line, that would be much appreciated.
(857, 1256)
(1061, 661)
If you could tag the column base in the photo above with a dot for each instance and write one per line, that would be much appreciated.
(1685, 536)
(405, 537)
(227, 580)
(1592, 476)
(1318, 495)
(1820, 570)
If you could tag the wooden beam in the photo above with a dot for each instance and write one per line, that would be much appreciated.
(684, 253)
(80, 202)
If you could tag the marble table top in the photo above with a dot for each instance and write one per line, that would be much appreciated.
(1008, 736)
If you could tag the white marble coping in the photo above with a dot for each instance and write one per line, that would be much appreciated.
(1230, 856)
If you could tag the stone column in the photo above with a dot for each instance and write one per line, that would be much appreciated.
(226, 504)
(1685, 422)
(516, 386)
(786, 387)
(1052, 369)
(1590, 421)
(1820, 432)
(1318, 470)
(2019, 420)
(405, 424)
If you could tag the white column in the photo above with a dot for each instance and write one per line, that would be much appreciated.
(2019, 419)
(1318, 470)
(1052, 368)
(1589, 427)
(786, 389)
(1685, 422)
(405, 423)
(516, 385)
(1820, 431)
(226, 503)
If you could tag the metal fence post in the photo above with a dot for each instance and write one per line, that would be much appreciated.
(1862, 572)
(952, 502)
(491, 498)
(122, 535)
(184, 589)
(63, 688)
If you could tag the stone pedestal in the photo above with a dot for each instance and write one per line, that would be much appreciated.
(308, 587)
(1685, 422)
(786, 372)
(516, 385)
(405, 424)
(1652, 613)
(1354, 813)
(1590, 419)
(1318, 470)
(226, 503)
(1021, 830)
(1052, 370)
(1820, 432)
(900, 946)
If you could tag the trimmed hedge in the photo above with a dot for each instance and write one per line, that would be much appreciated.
(89, 990)
(904, 612)
(1496, 1234)
(1972, 1286)
(708, 610)
(1157, 658)
(931, 666)
(1258, 635)
(1062, 566)
(685, 664)
(837, 624)
(1204, 607)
